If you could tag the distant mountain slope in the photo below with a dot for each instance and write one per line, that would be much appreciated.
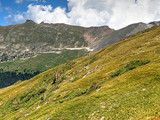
(23, 69)
(29, 48)
(94, 35)
(155, 23)
(29, 39)
(119, 82)
(121, 34)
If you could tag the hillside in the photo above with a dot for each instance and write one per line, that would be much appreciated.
(121, 34)
(23, 69)
(29, 48)
(118, 82)
(155, 23)
(29, 39)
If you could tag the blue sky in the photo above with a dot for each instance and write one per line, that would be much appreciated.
(10, 7)
(114, 13)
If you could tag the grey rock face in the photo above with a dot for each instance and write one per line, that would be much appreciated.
(155, 23)
(122, 34)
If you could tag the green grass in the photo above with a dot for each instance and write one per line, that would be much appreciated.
(133, 94)
(29, 67)
(33, 34)
(130, 66)
(41, 62)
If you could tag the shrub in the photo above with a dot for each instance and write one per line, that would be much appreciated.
(92, 60)
(40, 91)
(76, 78)
(78, 92)
(93, 87)
(130, 66)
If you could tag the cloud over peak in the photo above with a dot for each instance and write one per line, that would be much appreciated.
(87, 13)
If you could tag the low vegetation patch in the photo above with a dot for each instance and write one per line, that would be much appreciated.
(25, 99)
(130, 66)
(32, 93)
(78, 92)
(24, 69)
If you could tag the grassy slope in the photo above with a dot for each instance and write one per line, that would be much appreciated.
(84, 89)
(26, 41)
(29, 66)
(42, 62)
(30, 33)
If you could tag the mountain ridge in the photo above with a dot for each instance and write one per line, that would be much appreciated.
(122, 34)
(26, 42)
(22, 44)
(32, 37)
(120, 81)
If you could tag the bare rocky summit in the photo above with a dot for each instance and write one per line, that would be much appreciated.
(122, 34)
(155, 23)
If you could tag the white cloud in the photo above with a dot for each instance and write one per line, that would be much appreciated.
(18, 1)
(115, 13)
(32, 0)
(47, 14)
(43, 1)
(21, 1)
(18, 18)
(88, 12)
(127, 12)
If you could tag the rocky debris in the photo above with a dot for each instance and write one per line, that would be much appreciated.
(1, 38)
(71, 80)
(95, 34)
(42, 22)
(143, 89)
(93, 115)
(48, 118)
(102, 118)
(90, 71)
(86, 67)
(38, 107)
(87, 73)
(47, 101)
(26, 114)
(27, 21)
(57, 77)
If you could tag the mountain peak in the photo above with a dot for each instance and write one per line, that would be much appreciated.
(28, 21)
(155, 23)
(121, 34)
(42, 22)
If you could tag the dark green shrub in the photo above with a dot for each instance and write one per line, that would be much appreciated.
(21, 97)
(40, 91)
(76, 78)
(92, 60)
(93, 87)
(42, 98)
(117, 73)
(78, 92)
(130, 66)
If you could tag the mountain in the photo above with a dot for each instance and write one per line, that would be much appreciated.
(121, 34)
(28, 49)
(155, 23)
(118, 82)
(94, 35)
(29, 39)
